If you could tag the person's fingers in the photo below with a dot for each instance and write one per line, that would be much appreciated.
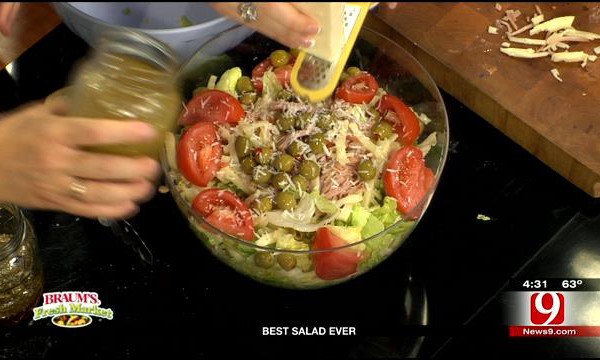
(8, 13)
(79, 131)
(83, 131)
(98, 166)
(106, 192)
(113, 211)
(281, 22)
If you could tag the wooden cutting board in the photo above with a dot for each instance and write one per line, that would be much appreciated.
(557, 122)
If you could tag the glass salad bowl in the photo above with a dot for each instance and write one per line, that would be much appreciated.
(253, 201)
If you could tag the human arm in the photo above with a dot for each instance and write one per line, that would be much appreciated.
(41, 158)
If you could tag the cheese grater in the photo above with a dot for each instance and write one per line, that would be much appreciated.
(316, 78)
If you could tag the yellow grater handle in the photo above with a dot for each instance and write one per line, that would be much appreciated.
(316, 95)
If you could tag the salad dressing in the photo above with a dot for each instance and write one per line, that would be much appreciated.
(130, 76)
(21, 276)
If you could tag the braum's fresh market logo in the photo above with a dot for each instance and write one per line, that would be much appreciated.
(71, 309)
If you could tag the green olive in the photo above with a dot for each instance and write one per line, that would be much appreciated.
(280, 181)
(244, 85)
(285, 200)
(353, 71)
(261, 175)
(300, 182)
(307, 238)
(309, 169)
(285, 123)
(263, 204)
(366, 170)
(284, 162)
(247, 165)
(296, 148)
(286, 95)
(382, 130)
(286, 261)
(302, 120)
(243, 147)
(344, 76)
(264, 259)
(248, 98)
(279, 58)
(263, 155)
(294, 52)
(325, 122)
(316, 143)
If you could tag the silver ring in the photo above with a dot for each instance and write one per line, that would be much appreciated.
(248, 11)
(78, 189)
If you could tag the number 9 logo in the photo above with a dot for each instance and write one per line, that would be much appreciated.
(547, 308)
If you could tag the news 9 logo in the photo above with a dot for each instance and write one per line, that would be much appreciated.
(547, 308)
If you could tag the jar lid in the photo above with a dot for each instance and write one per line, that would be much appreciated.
(129, 41)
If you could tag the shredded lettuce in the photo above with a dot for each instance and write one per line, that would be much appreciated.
(212, 82)
(271, 86)
(228, 175)
(260, 133)
(374, 221)
(428, 143)
(350, 234)
(228, 80)
(282, 239)
(228, 186)
(300, 218)
(387, 213)
(323, 204)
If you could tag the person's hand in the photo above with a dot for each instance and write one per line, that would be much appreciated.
(282, 22)
(42, 165)
(8, 13)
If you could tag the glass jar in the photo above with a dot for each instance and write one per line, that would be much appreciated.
(130, 75)
(21, 275)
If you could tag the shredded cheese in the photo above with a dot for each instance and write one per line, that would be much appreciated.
(557, 34)
(569, 56)
(528, 53)
(556, 74)
(492, 30)
(527, 41)
(578, 33)
(340, 143)
(552, 25)
(537, 19)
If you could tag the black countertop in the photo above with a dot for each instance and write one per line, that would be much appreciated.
(448, 276)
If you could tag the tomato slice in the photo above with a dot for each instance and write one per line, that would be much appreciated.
(406, 178)
(335, 264)
(199, 153)
(225, 211)
(403, 119)
(282, 73)
(358, 89)
(213, 106)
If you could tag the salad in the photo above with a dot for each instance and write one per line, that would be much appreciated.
(300, 194)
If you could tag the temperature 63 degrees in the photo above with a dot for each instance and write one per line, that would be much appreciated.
(571, 284)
